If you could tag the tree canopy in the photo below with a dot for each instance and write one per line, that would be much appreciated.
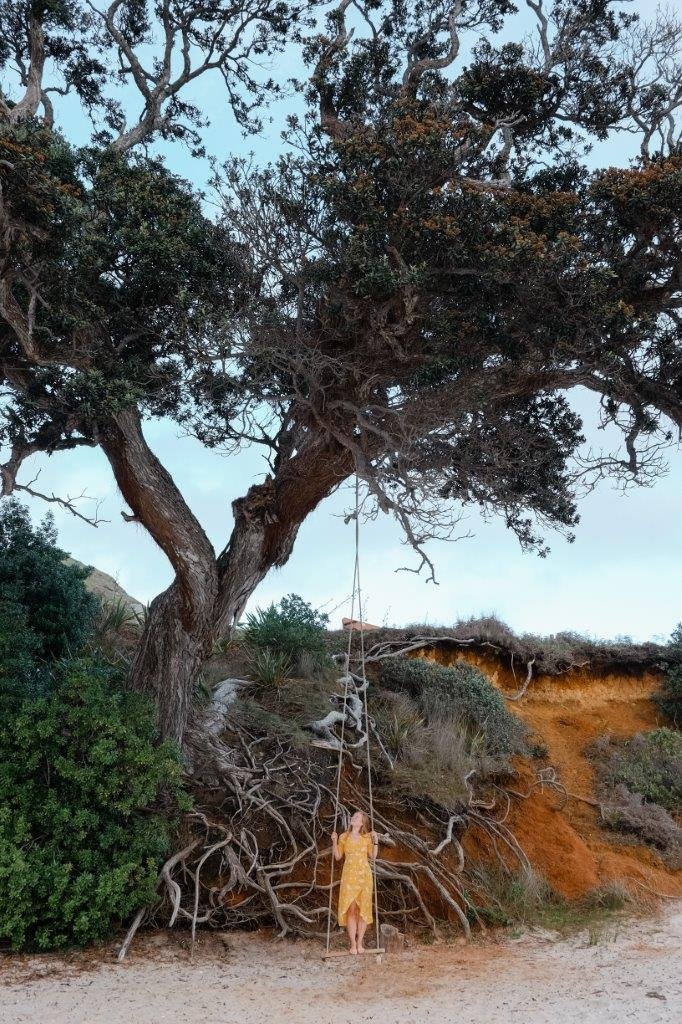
(412, 291)
(440, 267)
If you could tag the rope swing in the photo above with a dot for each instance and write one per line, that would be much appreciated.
(348, 680)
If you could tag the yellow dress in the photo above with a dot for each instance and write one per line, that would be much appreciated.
(356, 877)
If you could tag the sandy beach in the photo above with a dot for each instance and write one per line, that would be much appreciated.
(621, 972)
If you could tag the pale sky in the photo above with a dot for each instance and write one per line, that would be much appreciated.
(621, 576)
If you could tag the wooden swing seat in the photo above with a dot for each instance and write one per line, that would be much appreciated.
(346, 952)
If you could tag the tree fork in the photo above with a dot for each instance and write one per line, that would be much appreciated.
(179, 630)
(208, 595)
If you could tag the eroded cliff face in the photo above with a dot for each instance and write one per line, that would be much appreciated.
(566, 713)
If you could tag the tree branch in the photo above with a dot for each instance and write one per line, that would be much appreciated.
(151, 493)
(416, 70)
(26, 107)
(329, 120)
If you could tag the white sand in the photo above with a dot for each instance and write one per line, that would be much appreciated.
(630, 972)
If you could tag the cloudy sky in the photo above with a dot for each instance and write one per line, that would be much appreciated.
(621, 576)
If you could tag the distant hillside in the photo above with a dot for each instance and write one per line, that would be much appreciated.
(106, 587)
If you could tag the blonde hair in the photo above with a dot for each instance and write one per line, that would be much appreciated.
(364, 828)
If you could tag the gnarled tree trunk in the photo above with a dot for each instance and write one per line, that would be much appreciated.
(185, 620)
(169, 659)
(180, 627)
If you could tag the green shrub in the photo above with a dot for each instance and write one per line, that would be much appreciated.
(440, 763)
(400, 723)
(537, 748)
(649, 764)
(526, 898)
(301, 700)
(611, 895)
(508, 898)
(669, 697)
(462, 693)
(629, 812)
(57, 609)
(82, 833)
(265, 723)
(269, 668)
(116, 615)
(291, 629)
(19, 644)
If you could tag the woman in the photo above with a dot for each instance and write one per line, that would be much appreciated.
(356, 889)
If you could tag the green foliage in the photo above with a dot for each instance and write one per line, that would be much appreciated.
(116, 615)
(269, 668)
(80, 772)
(81, 829)
(537, 748)
(400, 723)
(115, 633)
(434, 757)
(526, 898)
(18, 647)
(613, 895)
(641, 784)
(223, 645)
(461, 692)
(513, 898)
(55, 612)
(669, 697)
(629, 812)
(291, 628)
(553, 654)
(283, 711)
(400, 197)
(649, 764)
(126, 255)
(304, 699)
(441, 762)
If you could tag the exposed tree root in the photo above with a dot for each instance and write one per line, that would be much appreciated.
(257, 847)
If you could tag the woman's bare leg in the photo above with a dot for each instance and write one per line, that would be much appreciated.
(352, 927)
(362, 928)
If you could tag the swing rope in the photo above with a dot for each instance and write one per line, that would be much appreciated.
(357, 589)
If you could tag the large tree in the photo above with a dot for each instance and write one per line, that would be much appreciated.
(411, 293)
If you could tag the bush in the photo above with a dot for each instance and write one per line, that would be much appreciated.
(649, 764)
(440, 763)
(508, 898)
(400, 723)
(268, 725)
(19, 645)
(81, 830)
(269, 668)
(526, 898)
(669, 698)
(56, 609)
(462, 693)
(291, 629)
(628, 812)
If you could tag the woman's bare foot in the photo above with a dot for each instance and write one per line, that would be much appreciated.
(361, 949)
(353, 949)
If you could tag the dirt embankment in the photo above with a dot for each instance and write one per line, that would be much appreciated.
(566, 713)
